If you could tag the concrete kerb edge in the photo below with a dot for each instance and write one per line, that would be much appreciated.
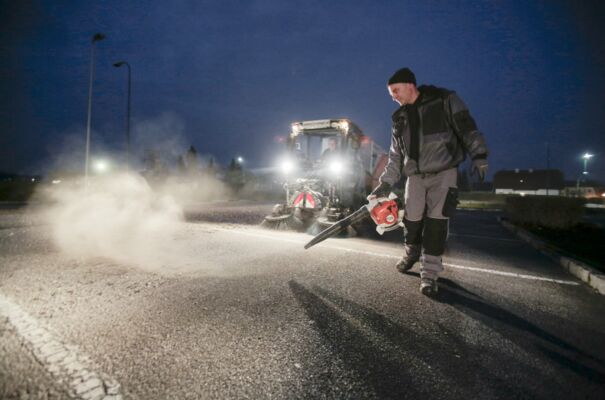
(580, 270)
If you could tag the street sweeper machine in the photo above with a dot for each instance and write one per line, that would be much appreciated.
(328, 168)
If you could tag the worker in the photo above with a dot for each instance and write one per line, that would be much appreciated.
(432, 133)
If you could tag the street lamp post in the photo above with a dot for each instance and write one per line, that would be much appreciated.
(118, 65)
(586, 157)
(547, 170)
(96, 38)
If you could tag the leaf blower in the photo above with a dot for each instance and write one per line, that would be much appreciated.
(386, 212)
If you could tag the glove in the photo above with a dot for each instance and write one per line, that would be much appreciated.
(479, 168)
(382, 190)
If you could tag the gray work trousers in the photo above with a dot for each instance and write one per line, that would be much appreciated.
(425, 196)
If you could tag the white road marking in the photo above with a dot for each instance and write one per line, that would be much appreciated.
(375, 254)
(62, 361)
(513, 274)
(485, 237)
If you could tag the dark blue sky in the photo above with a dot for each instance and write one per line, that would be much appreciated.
(229, 76)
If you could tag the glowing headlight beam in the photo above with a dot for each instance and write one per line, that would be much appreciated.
(336, 167)
(287, 166)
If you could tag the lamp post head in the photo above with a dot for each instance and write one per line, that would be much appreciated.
(97, 37)
(119, 64)
(587, 156)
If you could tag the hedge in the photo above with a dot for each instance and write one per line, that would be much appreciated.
(554, 212)
(16, 190)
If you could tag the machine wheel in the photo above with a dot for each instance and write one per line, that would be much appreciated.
(283, 219)
(323, 222)
(286, 222)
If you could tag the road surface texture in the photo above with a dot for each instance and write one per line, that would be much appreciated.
(229, 310)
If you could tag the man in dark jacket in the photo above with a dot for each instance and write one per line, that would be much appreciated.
(432, 133)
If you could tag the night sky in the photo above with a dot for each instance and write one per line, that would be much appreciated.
(230, 76)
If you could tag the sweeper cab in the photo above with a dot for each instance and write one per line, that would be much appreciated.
(328, 168)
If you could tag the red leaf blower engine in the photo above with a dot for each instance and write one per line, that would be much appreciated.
(386, 212)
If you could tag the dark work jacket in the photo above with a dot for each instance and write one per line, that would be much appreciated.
(446, 133)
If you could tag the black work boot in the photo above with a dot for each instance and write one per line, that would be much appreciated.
(411, 257)
(428, 287)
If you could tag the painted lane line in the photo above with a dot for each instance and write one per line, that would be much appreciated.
(374, 254)
(485, 237)
(62, 361)
(513, 274)
(264, 236)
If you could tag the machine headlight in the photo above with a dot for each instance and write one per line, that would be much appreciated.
(296, 128)
(336, 167)
(287, 166)
(344, 125)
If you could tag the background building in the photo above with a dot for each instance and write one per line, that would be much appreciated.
(531, 181)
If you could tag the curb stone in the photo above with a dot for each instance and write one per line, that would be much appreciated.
(580, 270)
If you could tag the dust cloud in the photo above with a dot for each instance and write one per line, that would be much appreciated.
(192, 192)
(118, 217)
(135, 218)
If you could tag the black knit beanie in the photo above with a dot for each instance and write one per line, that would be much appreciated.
(404, 75)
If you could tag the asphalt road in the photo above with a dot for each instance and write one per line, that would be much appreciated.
(228, 310)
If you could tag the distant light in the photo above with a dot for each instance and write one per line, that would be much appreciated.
(56, 181)
(101, 166)
(585, 173)
(602, 194)
(33, 179)
(240, 160)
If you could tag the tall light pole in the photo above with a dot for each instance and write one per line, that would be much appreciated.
(547, 169)
(118, 65)
(586, 157)
(96, 38)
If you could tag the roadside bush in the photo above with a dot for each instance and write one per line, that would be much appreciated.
(483, 196)
(552, 212)
(16, 190)
(481, 200)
